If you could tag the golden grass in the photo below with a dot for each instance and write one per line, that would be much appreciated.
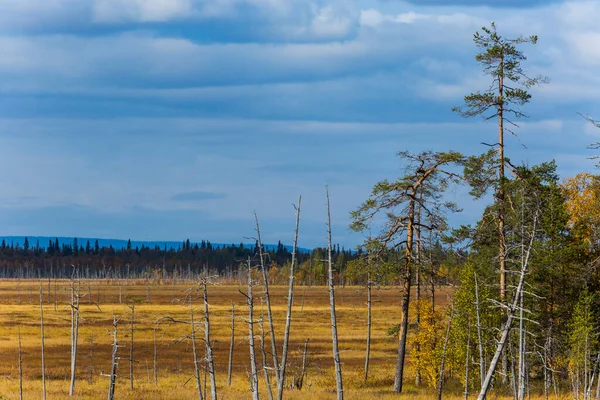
(19, 307)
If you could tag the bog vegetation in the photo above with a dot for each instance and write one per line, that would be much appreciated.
(507, 308)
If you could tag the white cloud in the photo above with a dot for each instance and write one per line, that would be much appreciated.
(140, 10)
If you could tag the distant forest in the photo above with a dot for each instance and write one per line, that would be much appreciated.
(89, 259)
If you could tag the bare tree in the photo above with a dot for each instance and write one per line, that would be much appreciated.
(131, 344)
(43, 349)
(75, 301)
(250, 300)
(268, 300)
(288, 318)
(299, 381)
(511, 311)
(479, 335)
(209, 351)
(231, 344)
(114, 360)
(20, 366)
(264, 357)
(194, 349)
(440, 387)
(334, 333)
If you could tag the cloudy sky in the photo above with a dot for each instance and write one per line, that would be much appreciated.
(174, 119)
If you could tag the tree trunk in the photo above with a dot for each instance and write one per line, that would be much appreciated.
(131, 347)
(231, 345)
(155, 366)
(264, 357)
(334, 334)
(405, 299)
(440, 387)
(467, 363)
(195, 351)
(20, 366)
(268, 300)
(250, 298)
(290, 303)
(75, 301)
(368, 350)
(113, 369)
(43, 350)
(510, 316)
(209, 351)
(479, 336)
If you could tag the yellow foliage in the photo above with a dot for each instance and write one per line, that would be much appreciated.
(425, 340)
(583, 205)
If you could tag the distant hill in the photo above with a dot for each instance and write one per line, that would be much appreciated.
(120, 243)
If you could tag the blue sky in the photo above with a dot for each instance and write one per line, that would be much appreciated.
(174, 119)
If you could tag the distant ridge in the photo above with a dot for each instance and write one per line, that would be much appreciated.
(118, 244)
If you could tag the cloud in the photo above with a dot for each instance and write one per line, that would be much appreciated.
(197, 196)
(140, 10)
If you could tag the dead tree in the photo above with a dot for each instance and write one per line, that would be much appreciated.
(299, 381)
(440, 387)
(43, 349)
(479, 335)
(511, 312)
(268, 301)
(209, 351)
(369, 302)
(264, 357)
(253, 371)
(194, 349)
(114, 360)
(155, 357)
(334, 333)
(75, 302)
(132, 326)
(290, 303)
(20, 366)
(231, 345)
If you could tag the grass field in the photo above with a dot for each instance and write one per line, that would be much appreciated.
(311, 319)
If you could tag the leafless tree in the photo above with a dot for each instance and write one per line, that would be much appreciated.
(231, 344)
(20, 365)
(268, 301)
(114, 360)
(290, 303)
(43, 349)
(75, 311)
(334, 333)
(440, 387)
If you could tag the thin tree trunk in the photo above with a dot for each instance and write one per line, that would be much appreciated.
(479, 335)
(268, 300)
(131, 347)
(418, 291)
(155, 366)
(194, 349)
(440, 387)
(368, 350)
(250, 298)
(20, 366)
(209, 351)
(231, 345)
(264, 358)
(113, 369)
(75, 301)
(43, 349)
(300, 381)
(467, 362)
(511, 313)
(290, 303)
(403, 334)
(334, 334)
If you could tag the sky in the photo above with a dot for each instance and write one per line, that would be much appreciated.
(175, 119)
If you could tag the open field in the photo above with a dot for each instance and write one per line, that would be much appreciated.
(311, 319)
